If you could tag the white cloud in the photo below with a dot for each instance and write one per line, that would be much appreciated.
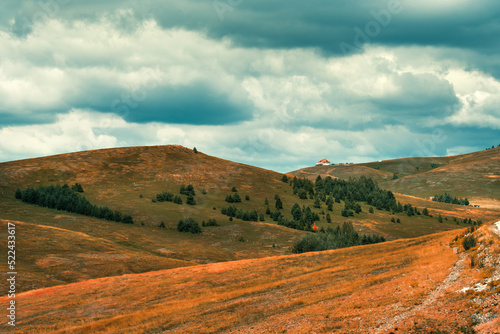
(305, 105)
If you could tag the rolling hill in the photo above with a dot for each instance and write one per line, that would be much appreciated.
(83, 274)
(475, 175)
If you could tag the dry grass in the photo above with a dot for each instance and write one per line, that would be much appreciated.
(344, 291)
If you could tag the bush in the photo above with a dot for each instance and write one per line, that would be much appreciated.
(164, 197)
(188, 225)
(469, 242)
(211, 222)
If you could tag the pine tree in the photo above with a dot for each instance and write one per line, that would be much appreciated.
(279, 204)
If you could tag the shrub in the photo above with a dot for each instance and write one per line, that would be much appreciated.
(469, 242)
(188, 225)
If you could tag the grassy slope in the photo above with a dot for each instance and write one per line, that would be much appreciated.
(475, 175)
(344, 291)
(116, 177)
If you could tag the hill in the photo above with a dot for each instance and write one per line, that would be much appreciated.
(418, 285)
(62, 247)
(475, 175)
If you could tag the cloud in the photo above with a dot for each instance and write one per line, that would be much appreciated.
(267, 85)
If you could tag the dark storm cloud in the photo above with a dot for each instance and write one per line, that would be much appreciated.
(196, 104)
(293, 23)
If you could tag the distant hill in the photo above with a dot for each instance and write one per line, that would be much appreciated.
(475, 175)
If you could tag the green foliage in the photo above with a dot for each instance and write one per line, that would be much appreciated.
(246, 215)
(161, 225)
(351, 191)
(65, 199)
(77, 187)
(328, 218)
(164, 197)
(247, 198)
(195, 150)
(448, 198)
(188, 225)
(469, 242)
(261, 217)
(395, 176)
(187, 190)
(425, 212)
(211, 222)
(190, 200)
(370, 210)
(340, 237)
(440, 218)
(235, 198)
(284, 178)
(233, 189)
(279, 203)
(177, 199)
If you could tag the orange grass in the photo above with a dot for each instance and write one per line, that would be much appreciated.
(348, 290)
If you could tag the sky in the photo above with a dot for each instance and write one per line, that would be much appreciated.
(275, 84)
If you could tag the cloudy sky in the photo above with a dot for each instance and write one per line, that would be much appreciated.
(276, 84)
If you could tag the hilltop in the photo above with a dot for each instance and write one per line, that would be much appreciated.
(474, 175)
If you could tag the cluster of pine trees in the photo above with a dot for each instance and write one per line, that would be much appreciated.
(235, 198)
(340, 237)
(448, 198)
(351, 191)
(188, 225)
(302, 218)
(246, 215)
(169, 197)
(67, 199)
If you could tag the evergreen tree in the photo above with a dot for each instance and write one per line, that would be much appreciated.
(190, 200)
(195, 150)
(328, 218)
(296, 212)
(279, 204)
(284, 178)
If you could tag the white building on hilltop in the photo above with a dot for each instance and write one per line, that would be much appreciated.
(323, 162)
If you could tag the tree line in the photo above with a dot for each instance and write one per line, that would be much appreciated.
(67, 199)
(448, 198)
(334, 238)
(351, 191)
(170, 197)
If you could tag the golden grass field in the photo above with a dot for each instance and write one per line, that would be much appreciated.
(85, 275)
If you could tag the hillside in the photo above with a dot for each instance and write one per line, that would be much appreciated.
(83, 274)
(62, 247)
(419, 285)
(475, 175)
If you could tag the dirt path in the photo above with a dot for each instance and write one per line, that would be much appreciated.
(429, 299)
